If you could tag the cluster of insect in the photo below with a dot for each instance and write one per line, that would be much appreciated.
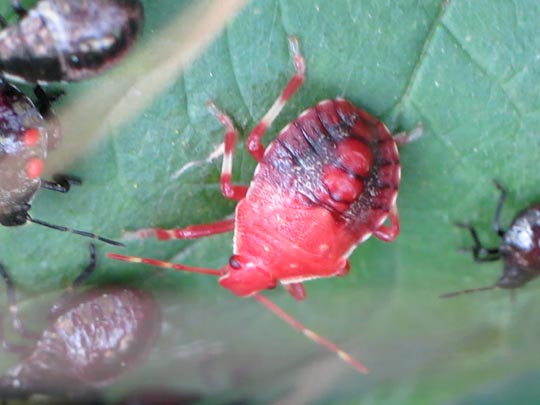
(327, 183)
(93, 336)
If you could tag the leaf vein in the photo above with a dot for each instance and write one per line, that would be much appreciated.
(420, 60)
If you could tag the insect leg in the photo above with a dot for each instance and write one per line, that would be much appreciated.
(311, 334)
(496, 219)
(231, 136)
(75, 231)
(297, 290)
(389, 233)
(480, 253)
(189, 232)
(80, 279)
(166, 265)
(253, 143)
(13, 308)
(402, 138)
(61, 183)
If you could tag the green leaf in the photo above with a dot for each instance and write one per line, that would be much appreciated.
(469, 70)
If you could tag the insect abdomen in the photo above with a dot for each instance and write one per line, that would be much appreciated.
(339, 157)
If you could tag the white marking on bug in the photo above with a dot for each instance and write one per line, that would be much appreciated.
(226, 165)
(285, 129)
(54, 21)
(393, 200)
(340, 99)
(380, 222)
(217, 152)
(521, 234)
(299, 279)
(273, 112)
(324, 102)
(399, 173)
(257, 169)
(385, 127)
(362, 239)
(14, 78)
(304, 113)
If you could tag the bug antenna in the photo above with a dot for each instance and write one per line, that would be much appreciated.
(467, 291)
(311, 335)
(75, 231)
(167, 265)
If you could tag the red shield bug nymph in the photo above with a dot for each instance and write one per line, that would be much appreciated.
(519, 249)
(92, 338)
(326, 184)
(68, 40)
(25, 138)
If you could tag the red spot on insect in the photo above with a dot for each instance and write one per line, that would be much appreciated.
(34, 168)
(355, 156)
(327, 183)
(341, 185)
(31, 136)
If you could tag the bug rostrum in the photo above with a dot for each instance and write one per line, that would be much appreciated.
(324, 185)
(519, 248)
(68, 40)
(25, 138)
(92, 337)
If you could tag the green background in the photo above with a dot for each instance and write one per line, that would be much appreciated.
(468, 70)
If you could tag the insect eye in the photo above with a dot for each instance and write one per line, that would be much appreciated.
(234, 263)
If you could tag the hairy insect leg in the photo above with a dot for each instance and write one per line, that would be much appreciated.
(480, 253)
(61, 183)
(189, 232)
(388, 233)
(311, 334)
(13, 308)
(80, 279)
(230, 191)
(496, 220)
(253, 143)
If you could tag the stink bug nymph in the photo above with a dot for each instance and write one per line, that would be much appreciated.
(92, 338)
(326, 184)
(25, 138)
(519, 249)
(68, 40)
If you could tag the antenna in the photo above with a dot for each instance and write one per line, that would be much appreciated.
(263, 300)
(467, 291)
(75, 231)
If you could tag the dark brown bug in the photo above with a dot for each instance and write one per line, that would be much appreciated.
(25, 138)
(519, 249)
(68, 40)
(91, 339)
